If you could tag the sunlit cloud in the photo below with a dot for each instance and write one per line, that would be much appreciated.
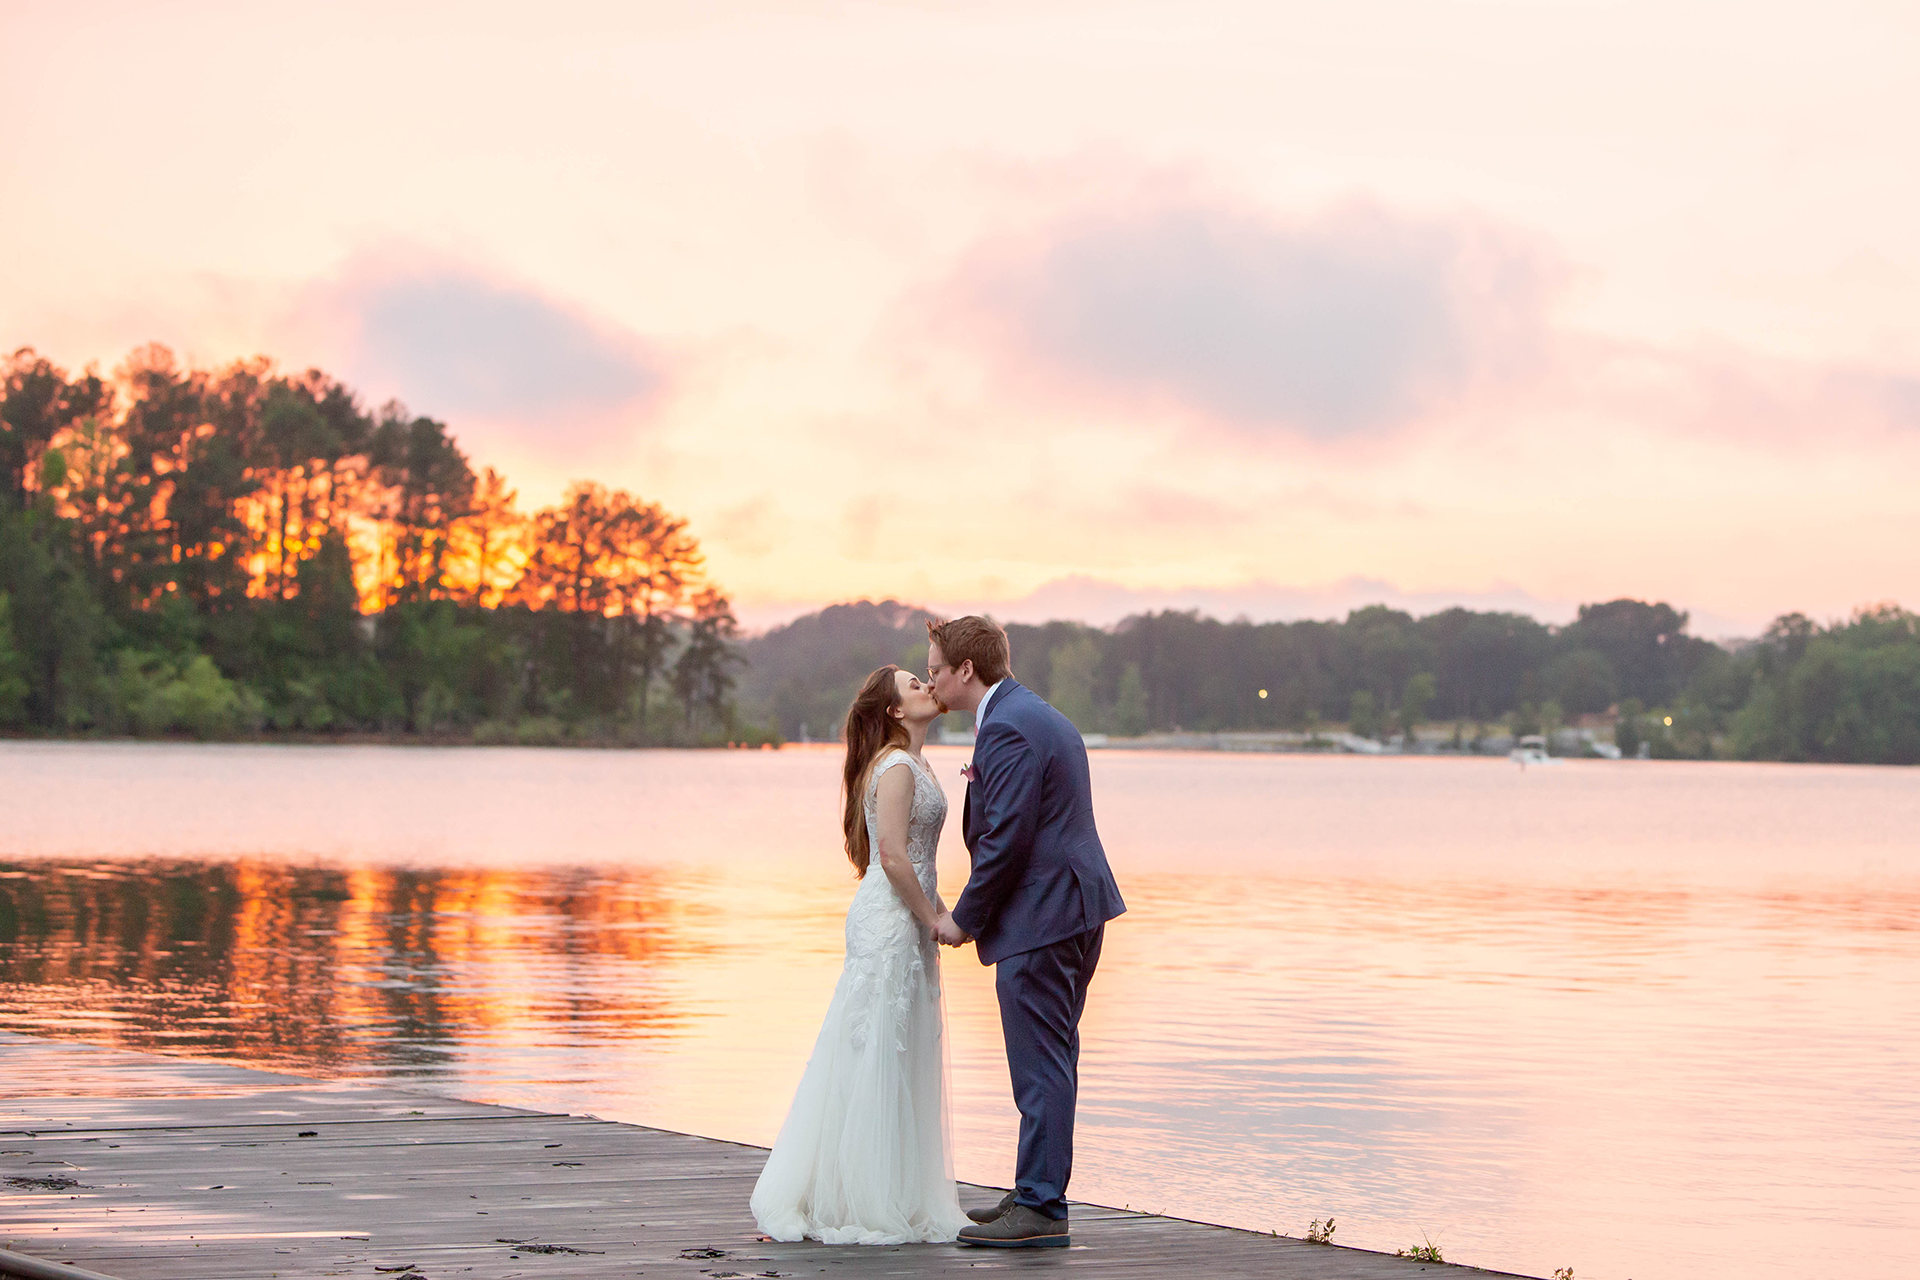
(949, 303)
(1355, 321)
(459, 342)
(751, 528)
(1741, 396)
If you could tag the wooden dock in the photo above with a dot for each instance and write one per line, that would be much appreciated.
(144, 1167)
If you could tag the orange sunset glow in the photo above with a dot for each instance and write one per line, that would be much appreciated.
(1061, 310)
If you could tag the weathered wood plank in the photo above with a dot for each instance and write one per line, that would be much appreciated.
(221, 1172)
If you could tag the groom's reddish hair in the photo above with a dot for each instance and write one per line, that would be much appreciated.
(975, 638)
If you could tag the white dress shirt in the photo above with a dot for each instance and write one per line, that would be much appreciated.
(980, 712)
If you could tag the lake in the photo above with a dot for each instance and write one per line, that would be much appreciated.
(1647, 1020)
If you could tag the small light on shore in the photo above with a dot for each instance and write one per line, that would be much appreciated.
(1263, 693)
(1669, 721)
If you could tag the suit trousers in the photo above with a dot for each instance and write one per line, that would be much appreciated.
(1041, 995)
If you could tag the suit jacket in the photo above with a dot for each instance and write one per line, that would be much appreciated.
(1039, 872)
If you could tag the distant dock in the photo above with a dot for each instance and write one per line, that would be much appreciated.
(142, 1167)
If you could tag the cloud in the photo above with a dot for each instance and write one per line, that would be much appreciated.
(1352, 322)
(861, 522)
(1757, 398)
(1893, 398)
(752, 528)
(1165, 507)
(453, 341)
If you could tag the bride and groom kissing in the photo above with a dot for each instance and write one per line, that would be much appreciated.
(863, 1157)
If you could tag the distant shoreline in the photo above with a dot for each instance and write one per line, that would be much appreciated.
(397, 738)
(1325, 744)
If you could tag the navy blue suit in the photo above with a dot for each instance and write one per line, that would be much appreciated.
(1036, 904)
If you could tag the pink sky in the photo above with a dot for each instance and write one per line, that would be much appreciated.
(1052, 308)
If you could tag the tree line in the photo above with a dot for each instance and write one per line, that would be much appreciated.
(238, 551)
(1846, 692)
(218, 552)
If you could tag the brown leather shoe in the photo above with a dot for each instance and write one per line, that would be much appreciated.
(988, 1215)
(1019, 1228)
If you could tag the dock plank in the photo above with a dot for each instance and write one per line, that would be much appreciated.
(158, 1168)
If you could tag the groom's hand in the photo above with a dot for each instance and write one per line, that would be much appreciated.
(947, 933)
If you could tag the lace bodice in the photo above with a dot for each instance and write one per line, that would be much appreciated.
(923, 824)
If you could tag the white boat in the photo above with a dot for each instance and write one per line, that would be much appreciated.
(1532, 750)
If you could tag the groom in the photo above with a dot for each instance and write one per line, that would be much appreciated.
(1037, 904)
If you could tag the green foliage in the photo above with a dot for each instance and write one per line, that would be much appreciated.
(1165, 671)
(1072, 668)
(429, 487)
(155, 694)
(1645, 646)
(1694, 733)
(220, 553)
(1630, 730)
(53, 470)
(38, 402)
(434, 657)
(223, 552)
(58, 624)
(1483, 660)
(802, 677)
(1363, 714)
(1130, 709)
(1319, 1232)
(703, 674)
(1425, 1251)
(1580, 680)
(1416, 699)
(1846, 694)
(13, 669)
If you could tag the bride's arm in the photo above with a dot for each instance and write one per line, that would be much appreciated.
(894, 808)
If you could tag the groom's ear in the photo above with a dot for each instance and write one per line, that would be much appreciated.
(964, 672)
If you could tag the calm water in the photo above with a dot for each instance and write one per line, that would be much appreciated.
(1644, 1020)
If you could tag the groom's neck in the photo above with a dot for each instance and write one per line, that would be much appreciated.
(971, 696)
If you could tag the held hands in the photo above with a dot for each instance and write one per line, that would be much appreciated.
(947, 933)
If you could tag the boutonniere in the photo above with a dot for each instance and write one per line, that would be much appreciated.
(966, 771)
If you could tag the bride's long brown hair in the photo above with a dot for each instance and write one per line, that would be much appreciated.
(871, 728)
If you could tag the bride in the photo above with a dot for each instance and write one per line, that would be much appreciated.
(863, 1155)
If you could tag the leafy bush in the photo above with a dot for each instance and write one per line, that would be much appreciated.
(152, 693)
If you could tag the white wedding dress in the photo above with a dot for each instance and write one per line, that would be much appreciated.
(863, 1156)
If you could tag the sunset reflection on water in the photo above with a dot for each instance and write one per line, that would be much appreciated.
(354, 971)
(1648, 1021)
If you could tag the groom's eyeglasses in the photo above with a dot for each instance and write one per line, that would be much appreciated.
(934, 670)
